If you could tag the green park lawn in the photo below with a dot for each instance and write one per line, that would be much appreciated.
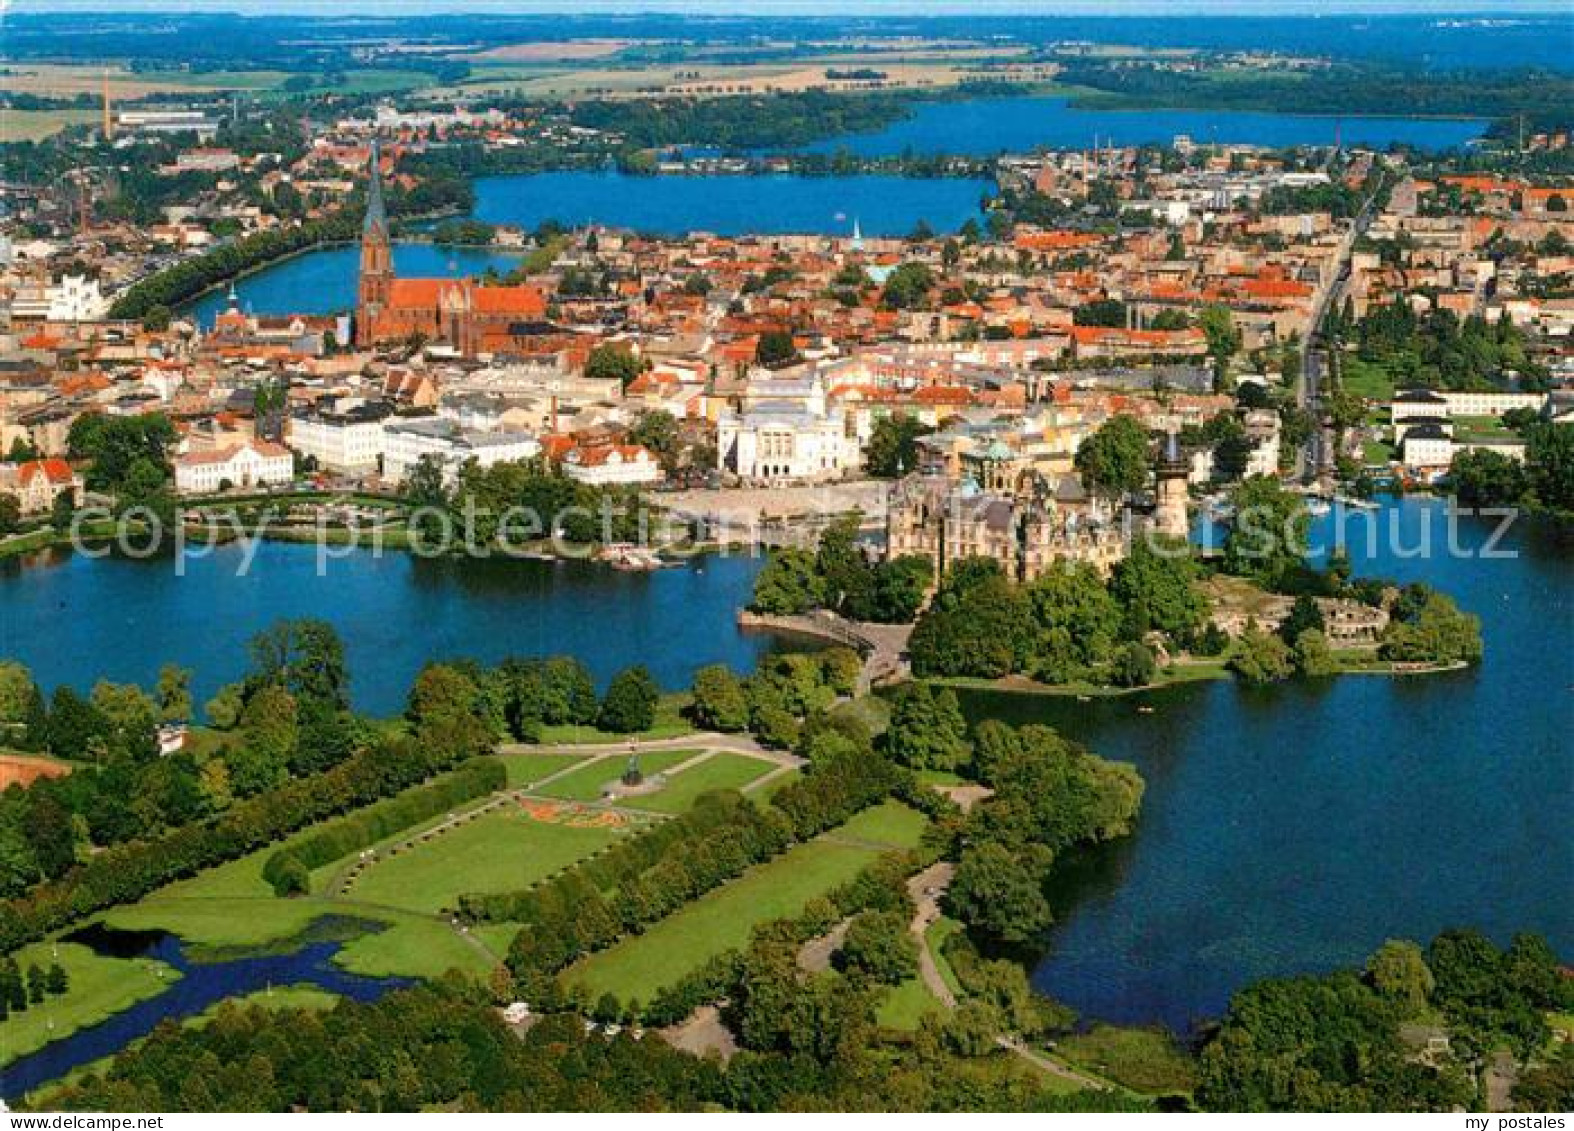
(524, 770)
(97, 987)
(1366, 379)
(889, 825)
(775, 785)
(585, 784)
(638, 967)
(905, 1004)
(719, 771)
(503, 850)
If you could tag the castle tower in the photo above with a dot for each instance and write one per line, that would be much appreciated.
(1169, 517)
(376, 279)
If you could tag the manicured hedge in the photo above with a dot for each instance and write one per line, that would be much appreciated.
(289, 868)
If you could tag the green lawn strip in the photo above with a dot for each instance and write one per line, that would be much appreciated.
(496, 937)
(98, 987)
(905, 1004)
(303, 996)
(524, 770)
(639, 967)
(719, 771)
(775, 785)
(940, 777)
(939, 931)
(1144, 1060)
(586, 784)
(412, 947)
(220, 922)
(889, 824)
(504, 849)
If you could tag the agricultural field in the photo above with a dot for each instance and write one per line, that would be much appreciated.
(721, 920)
(35, 125)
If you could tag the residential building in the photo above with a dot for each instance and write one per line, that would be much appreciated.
(606, 465)
(255, 463)
(349, 440)
(406, 441)
(37, 483)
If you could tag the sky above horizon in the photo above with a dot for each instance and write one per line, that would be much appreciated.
(735, 8)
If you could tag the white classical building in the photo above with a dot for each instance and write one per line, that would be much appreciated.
(76, 298)
(255, 463)
(407, 441)
(787, 433)
(606, 465)
(350, 441)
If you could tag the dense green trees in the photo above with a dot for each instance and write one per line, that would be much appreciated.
(1261, 657)
(719, 701)
(1430, 628)
(612, 362)
(1114, 461)
(1438, 349)
(1075, 619)
(908, 287)
(840, 576)
(1267, 539)
(1336, 1043)
(630, 703)
(978, 624)
(927, 730)
(1049, 795)
(776, 349)
(1066, 625)
(1156, 585)
(1545, 479)
(123, 450)
(879, 946)
(892, 450)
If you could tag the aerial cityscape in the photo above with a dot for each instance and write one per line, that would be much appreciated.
(643, 557)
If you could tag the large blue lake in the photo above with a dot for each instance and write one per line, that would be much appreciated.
(73, 619)
(986, 126)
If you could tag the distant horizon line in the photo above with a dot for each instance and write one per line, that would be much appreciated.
(806, 9)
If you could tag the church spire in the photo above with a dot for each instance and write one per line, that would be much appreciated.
(376, 214)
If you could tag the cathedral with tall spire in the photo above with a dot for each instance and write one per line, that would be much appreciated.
(376, 279)
(471, 317)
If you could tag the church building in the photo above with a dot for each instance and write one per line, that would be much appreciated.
(471, 317)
